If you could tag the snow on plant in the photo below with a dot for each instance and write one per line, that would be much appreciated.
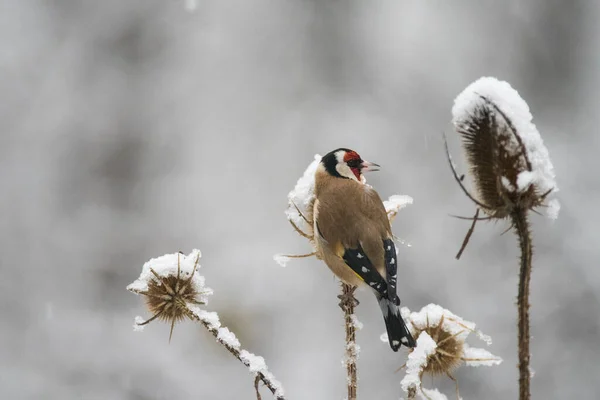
(441, 346)
(396, 203)
(175, 291)
(301, 200)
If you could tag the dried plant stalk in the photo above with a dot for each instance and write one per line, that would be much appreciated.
(348, 293)
(521, 225)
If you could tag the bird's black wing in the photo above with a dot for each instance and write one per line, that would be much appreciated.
(391, 269)
(358, 261)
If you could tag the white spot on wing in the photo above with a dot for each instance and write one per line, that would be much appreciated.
(364, 269)
(359, 255)
(392, 261)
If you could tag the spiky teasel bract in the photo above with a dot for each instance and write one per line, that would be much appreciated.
(170, 284)
(441, 345)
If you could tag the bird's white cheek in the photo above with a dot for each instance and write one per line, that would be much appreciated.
(344, 170)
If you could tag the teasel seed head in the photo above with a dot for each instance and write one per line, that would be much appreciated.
(441, 345)
(170, 284)
(508, 161)
(449, 351)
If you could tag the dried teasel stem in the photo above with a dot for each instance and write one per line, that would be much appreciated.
(521, 224)
(348, 293)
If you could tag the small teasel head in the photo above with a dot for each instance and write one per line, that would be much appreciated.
(508, 161)
(448, 354)
(441, 345)
(170, 284)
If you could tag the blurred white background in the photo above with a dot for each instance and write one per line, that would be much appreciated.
(138, 128)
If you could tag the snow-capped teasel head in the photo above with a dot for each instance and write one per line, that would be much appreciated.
(510, 165)
(441, 344)
(171, 284)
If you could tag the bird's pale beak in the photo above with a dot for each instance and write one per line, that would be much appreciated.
(369, 166)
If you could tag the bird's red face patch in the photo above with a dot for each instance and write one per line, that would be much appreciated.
(353, 160)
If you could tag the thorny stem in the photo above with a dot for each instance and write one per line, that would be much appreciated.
(521, 225)
(267, 380)
(347, 290)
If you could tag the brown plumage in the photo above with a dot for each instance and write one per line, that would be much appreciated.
(348, 213)
(353, 235)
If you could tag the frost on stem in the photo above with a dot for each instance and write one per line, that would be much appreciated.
(300, 209)
(352, 348)
(441, 346)
(174, 291)
(356, 323)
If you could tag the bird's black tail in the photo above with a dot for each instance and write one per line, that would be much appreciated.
(397, 331)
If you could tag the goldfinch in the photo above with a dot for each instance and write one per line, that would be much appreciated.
(353, 235)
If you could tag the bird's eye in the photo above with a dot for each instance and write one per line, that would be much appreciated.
(353, 163)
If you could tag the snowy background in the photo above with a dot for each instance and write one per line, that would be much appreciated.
(134, 129)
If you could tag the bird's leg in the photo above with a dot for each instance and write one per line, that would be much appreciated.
(347, 299)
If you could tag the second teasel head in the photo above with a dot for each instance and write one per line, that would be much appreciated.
(507, 158)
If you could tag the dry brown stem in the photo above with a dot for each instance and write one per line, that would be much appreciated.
(347, 292)
(521, 225)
